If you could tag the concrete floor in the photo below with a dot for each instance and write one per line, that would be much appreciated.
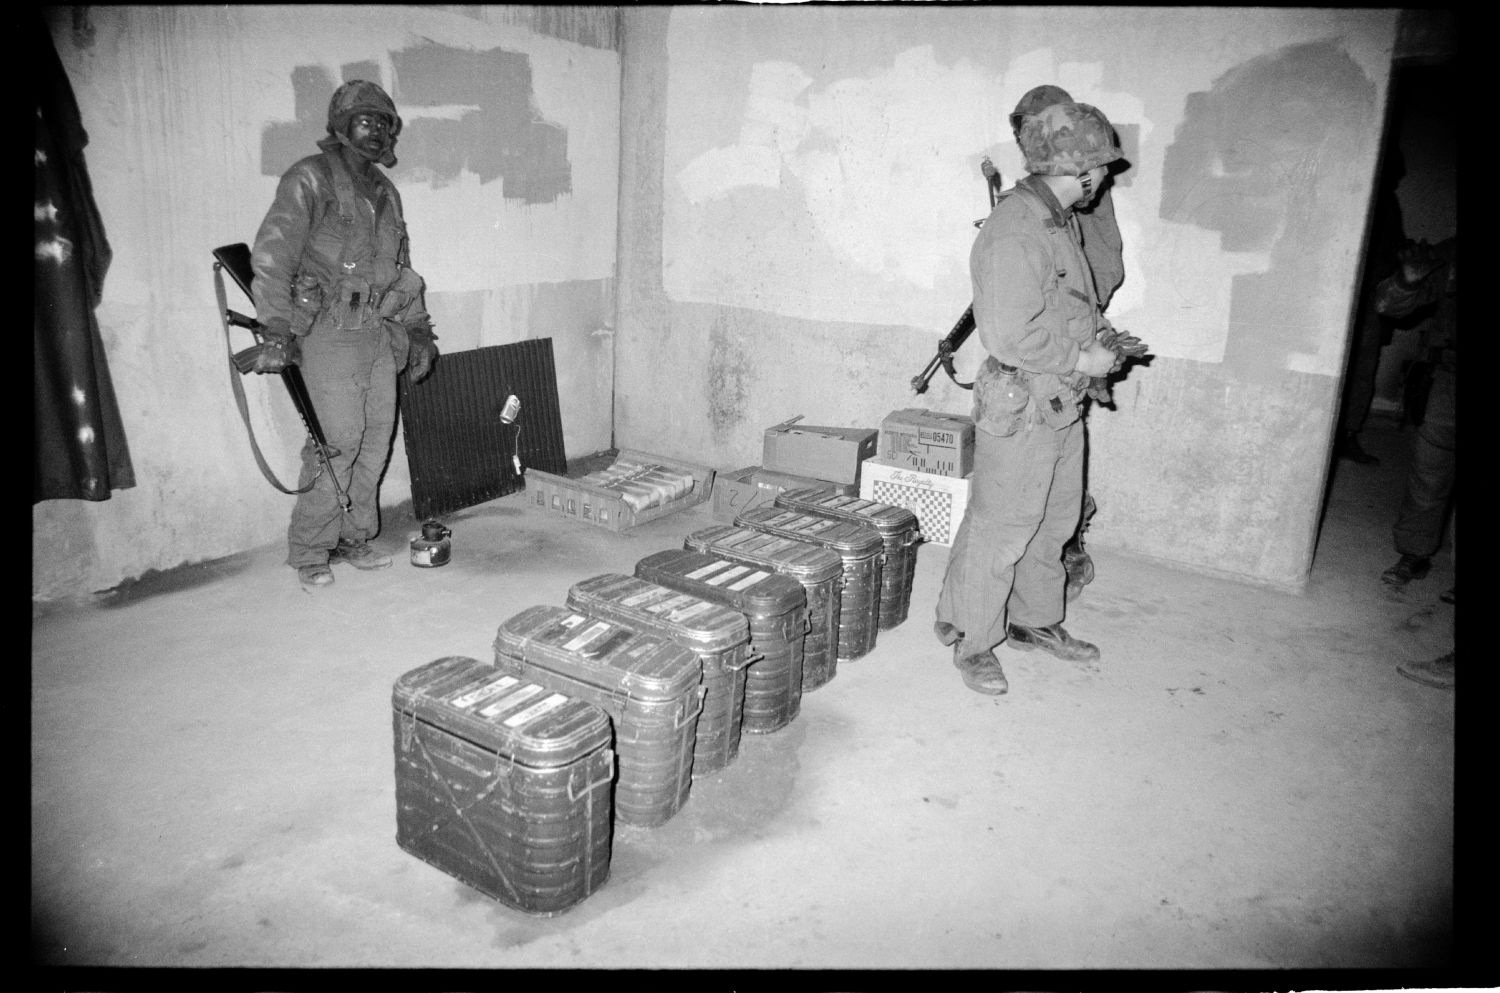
(1242, 782)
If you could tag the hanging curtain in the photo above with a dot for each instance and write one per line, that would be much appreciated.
(80, 450)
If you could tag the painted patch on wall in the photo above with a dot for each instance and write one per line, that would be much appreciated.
(461, 110)
(827, 191)
(1275, 158)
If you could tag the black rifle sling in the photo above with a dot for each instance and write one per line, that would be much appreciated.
(239, 392)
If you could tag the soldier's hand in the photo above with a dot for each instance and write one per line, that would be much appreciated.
(419, 360)
(1095, 360)
(1417, 260)
(1098, 388)
(278, 347)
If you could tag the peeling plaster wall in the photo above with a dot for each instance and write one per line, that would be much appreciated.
(509, 175)
(799, 187)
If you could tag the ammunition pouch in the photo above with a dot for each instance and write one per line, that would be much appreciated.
(351, 306)
(1007, 399)
(1001, 399)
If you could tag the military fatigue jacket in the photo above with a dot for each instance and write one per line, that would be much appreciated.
(325, 256)
(1034, 309)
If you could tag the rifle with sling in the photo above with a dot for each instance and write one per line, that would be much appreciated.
(235, 260)
(965, 326)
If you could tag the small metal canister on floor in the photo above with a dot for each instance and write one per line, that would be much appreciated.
(433, 546)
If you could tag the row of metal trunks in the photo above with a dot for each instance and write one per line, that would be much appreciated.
(511, 774)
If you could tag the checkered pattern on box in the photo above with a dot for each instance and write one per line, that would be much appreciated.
(934, 508)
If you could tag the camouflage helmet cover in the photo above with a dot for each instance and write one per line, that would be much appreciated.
(360, 96)
(1067, 139)
(1037, 99)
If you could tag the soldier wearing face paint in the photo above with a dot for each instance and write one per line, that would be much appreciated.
(336, 294)
(1036, 310)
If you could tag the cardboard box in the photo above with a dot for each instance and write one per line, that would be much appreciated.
(738, 491)
(833, 454)
(938, 501)
(928, 441)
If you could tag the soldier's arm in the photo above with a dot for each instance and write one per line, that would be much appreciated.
(1011, 315)
(277, 254)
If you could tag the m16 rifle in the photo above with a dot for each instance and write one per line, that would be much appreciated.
(235, 260)
(965, 326)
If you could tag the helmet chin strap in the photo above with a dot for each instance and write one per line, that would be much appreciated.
(1087, 182)
(386, 156)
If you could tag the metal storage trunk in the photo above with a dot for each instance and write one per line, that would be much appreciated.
(897, 527)
(651, 688)
(503, 783)
(818, 570)
(718, 635)
(860, 551)
(776, 608)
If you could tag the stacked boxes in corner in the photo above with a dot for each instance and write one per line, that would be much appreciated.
(928, 441)
(939, 502)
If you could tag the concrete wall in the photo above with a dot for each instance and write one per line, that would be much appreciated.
(798, 191)
(509, 169)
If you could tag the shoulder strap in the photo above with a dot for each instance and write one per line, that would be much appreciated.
(343, 184)
(343, 189)
(239, 393)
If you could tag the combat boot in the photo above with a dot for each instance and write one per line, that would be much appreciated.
(1076, 561)
(1406, 569)
(981, 671)
(1053, 640)
(359, 554)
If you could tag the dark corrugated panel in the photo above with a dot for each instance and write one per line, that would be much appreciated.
(457, 448)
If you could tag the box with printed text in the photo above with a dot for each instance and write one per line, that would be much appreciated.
(938, 501)
(928, 441)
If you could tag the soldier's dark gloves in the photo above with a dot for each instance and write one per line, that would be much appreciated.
(278, 348)
(1124, 346)
(1417, 259)
(423, 352)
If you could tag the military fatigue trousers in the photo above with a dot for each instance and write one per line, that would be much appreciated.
(1429, 482)
(1025, 497)
(351, 379)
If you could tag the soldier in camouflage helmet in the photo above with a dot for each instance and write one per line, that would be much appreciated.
(1037, 314)
(361, 96)
(1104, 249)
(1067, 139)
(336, 294)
